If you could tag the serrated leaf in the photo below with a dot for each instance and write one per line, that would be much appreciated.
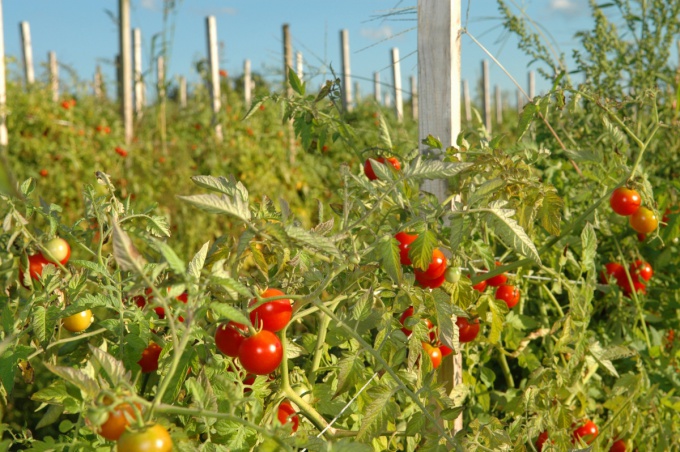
(52, 415)
(497, 308)
(177, 381)
(384, 133)
(525, 119)
(253, 108)
(380, 410)
(597, 352)
(228, 312)
(295, 82)
(448, 334)
(157, 226)
(39, 323)
(114, 369)
(486, 189)
(93, 266)
(198, 261)
(457, 231)
(420, 169)
(312, 240)
(175, 263)
(388, 251)
(504, 226)
(235, 207)
(124, 252)
(432, 142)
(550, 212)
(420, 250)
(77, 378)
(588, 248)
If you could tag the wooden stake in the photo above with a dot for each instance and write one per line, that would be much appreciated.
(346, 72)
(396, 82)
(139, 83)
(3, 86)
(125, 67)
(532, 86)
(376, 87)
(287, 59)
(439, 90)
(466, 101)
(414, 98)
(486, 95)
(160, 73)
(98, 83)
(357, 93)
(28, 52)
(54, 75)
(247, 84)
(499, 105)
(300, 68)
(183, 92)
(520, 101)
(214, 65)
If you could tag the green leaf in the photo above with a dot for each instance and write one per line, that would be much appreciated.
(52, 415)
(447, 333)
(157, 226)
(525, 119)
(550, 211)
(77, 378)
(176, 383)
(350, 372)
(457, 231)
(253, 108)
(124, 252)
(198, 262)
(312, 240)
(39, 323)
(420, 251)
(235, 207)
(113, 369)
(589, 248)
(228, 312)
(504, 226)
(388, 251)
(419, 169)
(432, 142)
(295, 82)
(175, 263)
(384, 134)
(380, 410)
(486, 189)
(498, 309)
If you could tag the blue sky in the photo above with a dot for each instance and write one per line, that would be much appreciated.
(83, 34)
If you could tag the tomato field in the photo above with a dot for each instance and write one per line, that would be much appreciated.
(293, 287)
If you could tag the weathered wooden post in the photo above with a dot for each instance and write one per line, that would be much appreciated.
(520, 101)
(28, 52)
(98, 83)
(139, 83)
(287, 59)
(486, 94)
(414, 98)
(532, 86)
(357, 93)
(54, 75)
(3, 85)
(439, 89)
(299, 66)
(125, 67)
(396, 82)
(247, 84)
(499, 105)
(376, 87)
(346, 72)
(183, 92)
(466, 101)
(160, 73)
(214, 74)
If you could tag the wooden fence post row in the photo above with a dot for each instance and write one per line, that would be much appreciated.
(29, 74)
(346, 73)
(214, 64)
(396, 81)
(125, 67)
(139, 83)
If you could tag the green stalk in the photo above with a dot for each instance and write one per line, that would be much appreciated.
(502, 360)
(324, 321)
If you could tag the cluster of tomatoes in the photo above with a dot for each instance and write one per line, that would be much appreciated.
(586, 432)
(434, 275)
(626, 202)
(506, 292)
(637, 270)
(153, 437)
(368, 168)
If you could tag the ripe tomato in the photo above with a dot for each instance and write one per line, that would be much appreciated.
(587, 432)
(638, 287)
(149, 360)
(286, 414)
(618, 446)
(78, 322)
(641, 269)
(445, 351)
(120, 151)
(480, 286)
(408, 313)
(274, 315)
(436, 268)
(228, 338)
(613, 269)
(404, 241)
(141, 300)
(36, 262)
(497, 280)
(431, 283)
(368, 169)
(152, 439)
(117, 421)
(434, 353)
(43, 172)
(540, 441)
(59, 249)
(261, 353)
(509, 294)
(625, 201)
(467, 331)
(644, 221)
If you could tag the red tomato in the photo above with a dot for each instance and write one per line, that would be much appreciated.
(141, 300)
(644, 220)
(509, 294)
(65, 104)
(431, 283)
(117, 421)
(434, 353)
(36, 262)
(261, 353)
(408, 313)
(480, 286)
(625, 201)
(587, 432)
(120, 151)
(467, 331)
(618, 446)
(497, 280)
(638, 287)
(436, 268)
(59, 249)
(405, 241)
(286, 414)
(540, 441)
(274, 315)
(613, 269)
(228, 338)
(149, 360)
(641, 269)
(368, 169)
(152, 439)
(43, 172)
(445, 351)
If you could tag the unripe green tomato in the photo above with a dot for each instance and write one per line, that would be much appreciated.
(452, 275)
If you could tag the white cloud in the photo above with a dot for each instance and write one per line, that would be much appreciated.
(153, 5)
(384, 32)
(566, 6)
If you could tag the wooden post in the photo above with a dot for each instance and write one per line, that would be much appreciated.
(532, 86)
(119, 79)
(160, 72)
(439, 90)
(98, 83)
(183, 92)
(28, 52)
(287, 59)
(247, 84)
(396, 81)
(414, 98)
(54, 75)
(357, 93)
(214, 75)
(3, 86)
(346, 72)
(486, 93)
(139, 83)
(466, 101)
(125, 67)
(300, 68)
(499, 105)
(520, 101)
(376, 87)
(388, 100)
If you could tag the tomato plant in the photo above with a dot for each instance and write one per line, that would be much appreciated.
(272, 315)
(36, 262)
(154, 438)
(261, 353)
(625, 201)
